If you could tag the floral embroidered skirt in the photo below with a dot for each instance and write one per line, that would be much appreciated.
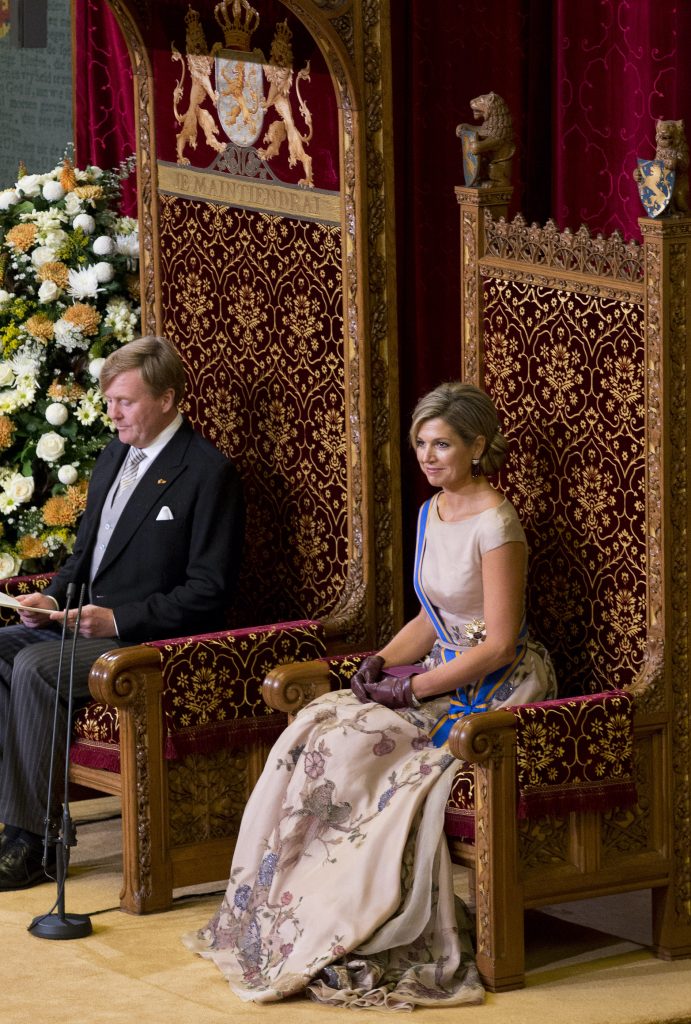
(341, 883)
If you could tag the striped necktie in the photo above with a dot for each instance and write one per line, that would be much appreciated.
(131, 468)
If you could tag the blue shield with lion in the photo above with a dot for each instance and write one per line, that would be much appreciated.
(655, 186)
(471, 162)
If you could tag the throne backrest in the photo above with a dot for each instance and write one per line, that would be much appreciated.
(562, 353)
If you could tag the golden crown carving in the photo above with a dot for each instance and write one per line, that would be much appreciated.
(195, 42)
(282, 47)
(239, 20)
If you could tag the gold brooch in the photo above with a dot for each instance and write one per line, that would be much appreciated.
(161, 481)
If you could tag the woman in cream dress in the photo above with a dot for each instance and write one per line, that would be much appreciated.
(341, 885)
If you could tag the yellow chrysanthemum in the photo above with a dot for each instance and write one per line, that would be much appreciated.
(68, 178)
(31, 547)
(133, 286)
(22, 236)
(64, 509)
(83, 316)
(40, 326)
(56, 272)
(7, 429)
(89, 191)
(69, 392)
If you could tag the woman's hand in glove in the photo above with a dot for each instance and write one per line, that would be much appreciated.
(368, 673)
(393, 692)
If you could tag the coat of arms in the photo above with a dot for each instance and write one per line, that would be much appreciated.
(655, 186)
(471, 162)
(239, 100)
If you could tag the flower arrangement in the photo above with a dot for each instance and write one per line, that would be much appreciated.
(69, 295)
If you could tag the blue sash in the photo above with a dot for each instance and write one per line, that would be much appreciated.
(477, 697)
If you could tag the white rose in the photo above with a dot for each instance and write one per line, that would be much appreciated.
(48, 292)
(42, 254)
(67, 475)
(73, 204)
(95, 367)
(104, 272)
(86, 222)
(4, 296)
(103, 245)
(55, 238)
(53, 191)
(8, 565)
(50, 446)
(20, 488)
(6, 375)
(56, 414)
(30, 184)
(93, 172)
(8, 197)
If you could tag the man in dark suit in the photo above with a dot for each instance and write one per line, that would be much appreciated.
(157, 550)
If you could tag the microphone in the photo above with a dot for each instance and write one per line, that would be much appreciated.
(58, 924)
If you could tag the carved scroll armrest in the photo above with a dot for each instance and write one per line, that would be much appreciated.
(476, 737)
(116, 676)
(291, 686)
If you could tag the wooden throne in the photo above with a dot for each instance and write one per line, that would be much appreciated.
(583, 344)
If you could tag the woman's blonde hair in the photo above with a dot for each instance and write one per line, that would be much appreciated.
(470, 413)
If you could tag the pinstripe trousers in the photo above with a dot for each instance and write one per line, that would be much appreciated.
(28, 677)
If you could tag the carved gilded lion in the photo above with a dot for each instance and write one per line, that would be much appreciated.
(672, 149)
(495, 144)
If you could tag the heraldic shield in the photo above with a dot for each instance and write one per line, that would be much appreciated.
(240, 87)
(471, 162)
(655, 186)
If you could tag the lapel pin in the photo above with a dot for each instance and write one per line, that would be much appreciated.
(161, 481)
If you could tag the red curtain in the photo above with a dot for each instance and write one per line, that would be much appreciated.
(619, 65)
(104, 127)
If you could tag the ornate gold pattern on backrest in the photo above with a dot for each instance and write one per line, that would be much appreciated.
(566, 371)
(561, 318)
(263, 343)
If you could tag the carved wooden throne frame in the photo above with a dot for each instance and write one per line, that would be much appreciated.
(591, 854)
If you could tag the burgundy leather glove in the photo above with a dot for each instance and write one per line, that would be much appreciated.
(368, 673)
(393, 692)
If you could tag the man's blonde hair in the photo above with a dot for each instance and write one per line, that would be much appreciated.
(159, 364)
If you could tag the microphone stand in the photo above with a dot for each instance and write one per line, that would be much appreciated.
(59, 925)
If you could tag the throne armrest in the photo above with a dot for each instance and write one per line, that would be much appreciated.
(564, 755)
(290, 687)
(476, 738)
(206, 689)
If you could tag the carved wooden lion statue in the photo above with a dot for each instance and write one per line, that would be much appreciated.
(672, 151)
(495, 144)
(671, 148)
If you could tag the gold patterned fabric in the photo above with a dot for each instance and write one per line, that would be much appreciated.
(459, 818)
(253, 303)
(567, 373)
(212, 684)
(96, 737)
(575, 754)
(16, 585)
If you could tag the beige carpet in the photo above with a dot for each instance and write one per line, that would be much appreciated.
(588, 963)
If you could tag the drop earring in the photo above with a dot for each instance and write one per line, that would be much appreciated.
(475, 468)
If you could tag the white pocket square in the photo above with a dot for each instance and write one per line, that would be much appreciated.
(164, 514)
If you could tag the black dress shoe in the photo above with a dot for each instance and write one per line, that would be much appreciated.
(21, 866)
